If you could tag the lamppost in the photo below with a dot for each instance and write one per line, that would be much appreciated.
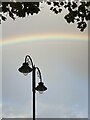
(28, 67)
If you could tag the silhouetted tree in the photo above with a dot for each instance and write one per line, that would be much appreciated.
(19, 9)
(79, 12)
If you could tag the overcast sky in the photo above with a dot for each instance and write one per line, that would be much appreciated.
(63, 63)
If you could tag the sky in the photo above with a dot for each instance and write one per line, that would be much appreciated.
(60, 50)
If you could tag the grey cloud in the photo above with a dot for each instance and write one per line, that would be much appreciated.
(61, 110)
(15, 111)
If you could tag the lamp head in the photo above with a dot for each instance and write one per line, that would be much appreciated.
(25, 69)
(41, 88)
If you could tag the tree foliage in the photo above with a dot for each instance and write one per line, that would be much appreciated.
(78, 12)
(19, 9)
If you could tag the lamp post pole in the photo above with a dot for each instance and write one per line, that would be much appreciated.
(28, 67)
(33, 88)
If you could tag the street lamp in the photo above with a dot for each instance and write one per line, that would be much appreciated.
(28, 67)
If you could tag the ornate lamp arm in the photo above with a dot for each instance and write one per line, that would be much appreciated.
(27, 56)
(39, 74)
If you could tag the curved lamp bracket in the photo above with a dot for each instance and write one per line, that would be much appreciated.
(39, 74)
(28, 60)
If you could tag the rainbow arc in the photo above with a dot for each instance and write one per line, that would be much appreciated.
(43, 37)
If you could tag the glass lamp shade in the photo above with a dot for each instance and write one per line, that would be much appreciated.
(25, 69)
(25, 74)
(41, 92)
(41, 88)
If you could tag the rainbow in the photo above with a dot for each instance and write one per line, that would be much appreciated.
(37, 37)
